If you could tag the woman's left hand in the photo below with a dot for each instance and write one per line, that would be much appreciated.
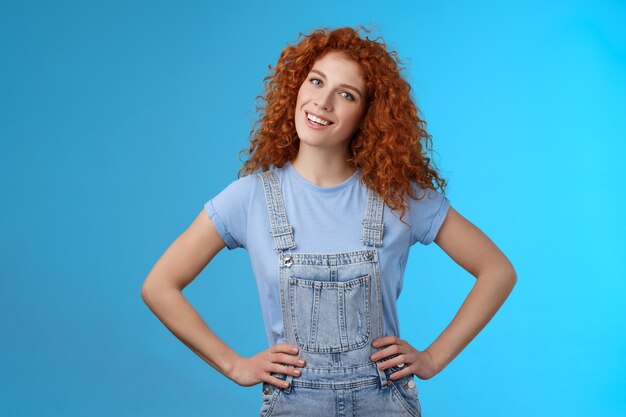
(419, 363)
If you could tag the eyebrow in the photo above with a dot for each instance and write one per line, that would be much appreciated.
(340, 85)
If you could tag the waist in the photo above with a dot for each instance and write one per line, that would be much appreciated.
(337, 377)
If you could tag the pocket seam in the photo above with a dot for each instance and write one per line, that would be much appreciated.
(273, 397)
(398, 393)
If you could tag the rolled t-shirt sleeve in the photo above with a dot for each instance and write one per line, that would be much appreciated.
(229, 211)
(427, 215)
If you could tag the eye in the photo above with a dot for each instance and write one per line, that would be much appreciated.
(316, 81)
(348, 96)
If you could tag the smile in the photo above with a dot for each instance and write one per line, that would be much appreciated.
(317, 120)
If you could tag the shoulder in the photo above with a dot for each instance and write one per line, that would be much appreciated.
(245, 185)
(426, 213)
(229, 210)
(423, 194)
(237, 194)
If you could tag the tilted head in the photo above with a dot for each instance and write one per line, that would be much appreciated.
(385, 138)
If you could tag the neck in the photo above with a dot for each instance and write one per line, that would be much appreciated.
(324, 169)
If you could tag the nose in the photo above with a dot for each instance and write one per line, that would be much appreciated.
(323, 101)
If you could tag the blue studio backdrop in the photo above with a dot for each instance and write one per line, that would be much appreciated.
(119, 119)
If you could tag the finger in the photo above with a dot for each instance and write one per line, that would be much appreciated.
(277, 382)
(396, 361)
(283, 369)
(384, 341)
(288, 359)
(400, 374)
(388, 351)
(285, 347)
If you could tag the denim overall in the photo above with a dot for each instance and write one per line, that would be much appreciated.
(332, 310)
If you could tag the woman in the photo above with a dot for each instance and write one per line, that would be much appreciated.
(342, 189)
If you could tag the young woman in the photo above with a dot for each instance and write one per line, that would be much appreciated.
(337, 189)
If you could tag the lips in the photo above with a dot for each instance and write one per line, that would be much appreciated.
(307, 113)
(313, 125)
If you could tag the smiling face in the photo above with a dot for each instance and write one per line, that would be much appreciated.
(331, 102)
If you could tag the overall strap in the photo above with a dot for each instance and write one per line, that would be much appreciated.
(373, 225)
(281, 230)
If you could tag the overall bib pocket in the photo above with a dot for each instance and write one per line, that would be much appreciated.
(330, 316)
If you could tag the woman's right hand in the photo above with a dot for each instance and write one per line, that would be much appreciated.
(258, 368)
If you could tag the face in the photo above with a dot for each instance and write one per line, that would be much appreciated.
(331, 102)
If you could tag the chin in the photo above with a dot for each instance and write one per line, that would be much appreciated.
(308, 142)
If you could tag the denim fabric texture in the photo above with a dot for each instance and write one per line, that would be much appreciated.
(322, 220)
(332, 310)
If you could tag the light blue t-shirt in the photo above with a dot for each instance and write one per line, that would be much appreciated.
(325, 220)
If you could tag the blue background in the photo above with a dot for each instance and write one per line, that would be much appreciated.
(118, 120)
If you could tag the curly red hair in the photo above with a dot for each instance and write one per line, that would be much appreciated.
(390, 146)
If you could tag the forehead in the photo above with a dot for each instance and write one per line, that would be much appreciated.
(338, 66)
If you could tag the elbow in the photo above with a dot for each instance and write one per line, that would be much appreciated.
(509, 274)
(153, 289)
(148, 291)
(512, 277)
(501, 273)
(503, 268)
(145, 292)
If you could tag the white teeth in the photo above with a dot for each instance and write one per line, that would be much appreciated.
(317, 120)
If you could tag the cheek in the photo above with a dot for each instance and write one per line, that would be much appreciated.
(302, 97)
(352, 117)
(298, 100)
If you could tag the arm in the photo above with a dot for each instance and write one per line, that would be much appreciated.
(495, 277)
(162, 292)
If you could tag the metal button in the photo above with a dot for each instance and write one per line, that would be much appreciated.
(411, 384)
